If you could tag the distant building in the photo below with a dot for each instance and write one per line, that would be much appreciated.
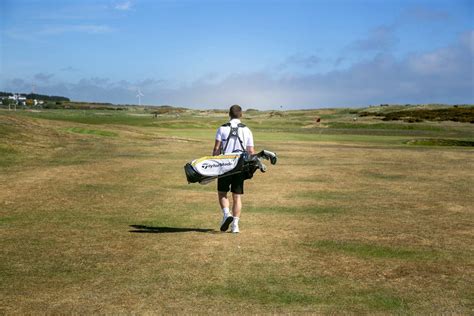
(19, 99)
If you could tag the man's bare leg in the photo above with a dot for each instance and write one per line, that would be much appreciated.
(223, 200)
(224, 203)
(237, 204)
(236, 208)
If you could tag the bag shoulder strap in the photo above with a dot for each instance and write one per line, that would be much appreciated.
(239, 125)
(234, 132)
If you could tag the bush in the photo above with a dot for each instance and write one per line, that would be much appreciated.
(456, 114)
(276, 113)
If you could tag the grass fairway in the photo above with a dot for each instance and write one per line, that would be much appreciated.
(357, 217)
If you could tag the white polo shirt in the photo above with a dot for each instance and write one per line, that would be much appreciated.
(245, 135)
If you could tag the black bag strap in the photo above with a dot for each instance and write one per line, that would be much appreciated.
(234, 132)
(239, 125)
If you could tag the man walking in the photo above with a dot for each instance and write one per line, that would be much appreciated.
(232, 137)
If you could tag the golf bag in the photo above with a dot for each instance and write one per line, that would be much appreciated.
(206, 169)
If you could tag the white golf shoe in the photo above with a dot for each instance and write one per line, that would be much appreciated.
(235, 228)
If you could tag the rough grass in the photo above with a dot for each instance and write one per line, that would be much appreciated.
(106, 224)
(440, 142)
(81, 130)
(463, 114)
(8, 154)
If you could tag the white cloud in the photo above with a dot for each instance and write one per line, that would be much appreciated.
(41, 34)
(467, 39)
(420, 14)
(455, 59)
(123, 6)
(69, 69)
(381, 38)
(300, 61)
(78, 28)
(44, 77)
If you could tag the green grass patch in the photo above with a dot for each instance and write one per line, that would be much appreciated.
(266, 292)
(188, 122)
(322, 292)
(97, 188)
(82, 151)
(368, 251)
(392, 126)
(320, 195)
(384, 176)
(93, 117)
(6, 130)
(195, 187)
(376, 300)
(8, 155)
(80, 130)
(7, 150)
(303, 135)
(306, 209)
(143, 119)
(5, 220)
(440, 142)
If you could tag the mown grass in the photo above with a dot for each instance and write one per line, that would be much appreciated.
(294, 135)
(333, 292)
(262, 291)
(95, 223)
(123, 118)
(368, 251)
(381, 300)
(305, 209)
(92, 117)
(322, 195)
(385, 126)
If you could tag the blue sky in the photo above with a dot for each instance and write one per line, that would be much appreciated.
(258, 53)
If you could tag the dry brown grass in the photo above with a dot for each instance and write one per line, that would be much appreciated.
(334, 227)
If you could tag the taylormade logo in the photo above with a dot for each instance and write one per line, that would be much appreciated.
(216, 164)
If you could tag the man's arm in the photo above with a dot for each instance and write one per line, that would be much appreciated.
(250, 146)
(217, 148)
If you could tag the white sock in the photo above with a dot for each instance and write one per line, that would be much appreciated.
(225, 211)
(236, 221)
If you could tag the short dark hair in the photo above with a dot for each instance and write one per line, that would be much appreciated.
(235, 111)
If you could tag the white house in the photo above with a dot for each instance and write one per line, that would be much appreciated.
(17, 97)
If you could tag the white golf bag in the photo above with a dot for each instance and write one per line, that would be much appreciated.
(206, 169)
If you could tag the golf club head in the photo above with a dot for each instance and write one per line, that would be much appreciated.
(270, 156)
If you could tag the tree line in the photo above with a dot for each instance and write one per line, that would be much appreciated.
(52, 98)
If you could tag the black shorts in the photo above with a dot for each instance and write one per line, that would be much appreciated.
(235, 182)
